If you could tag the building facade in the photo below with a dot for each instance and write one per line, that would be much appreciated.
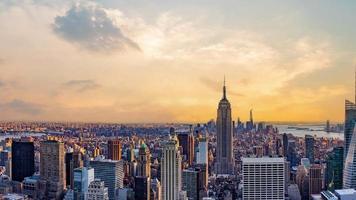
(263, 178)
(23, 160)
(114, 149)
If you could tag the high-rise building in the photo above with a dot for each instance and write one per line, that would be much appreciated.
(171, 178)
(5, 161)
(186, 141)
(82, 178)
(309, 147)
(67, 159)
(302, 180)
(156, 189)
(97, 191)
(193, 182)
(111, 172)
(52, 169)
(350, 119)
(292, 154)
(349, 177)
(75, 162)
(23, 160)
(114, 149)
(315, 179)
(144, 161)
(285, 144)
(264, 178)
(224, 153)
(142, 187)
(334, 169)
(202, 153)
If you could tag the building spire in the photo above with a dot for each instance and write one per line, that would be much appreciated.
(224, 89)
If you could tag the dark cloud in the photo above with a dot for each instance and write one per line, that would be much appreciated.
(90, 26)
(218, 87)
(82, 85)
(21, 106)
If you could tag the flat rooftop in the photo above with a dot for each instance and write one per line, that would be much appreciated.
(262, 160)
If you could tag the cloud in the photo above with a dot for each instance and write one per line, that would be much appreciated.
(92, 27)
(2, 84)
(21, 106)
(82, 85)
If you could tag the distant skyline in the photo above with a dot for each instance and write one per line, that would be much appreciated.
(164, 61)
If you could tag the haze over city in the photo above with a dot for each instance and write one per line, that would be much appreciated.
(164, 61)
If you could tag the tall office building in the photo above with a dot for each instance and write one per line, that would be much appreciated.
(264, 178)
(186, 141)
(111, 172)
(67, 159)
(52, 169)
(292, 154)
(285, 144)
(114, 149)
(334, 169)
(156, 189)
(142, 187)
(23, 160)
(224, 153)
(350, 119)
(75, 162)
(5, 161)
(97, 191)
(190, 183)
(82, 178)
(144, 161)
(349, 178)
(202, 153)
(171, 178)
(315, 179)
(302, 180)
(309, 147)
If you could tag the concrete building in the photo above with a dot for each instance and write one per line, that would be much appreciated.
(202, 153)
(82, 178)
(144, 161)
(114, 149)
(97, 191)
(111, 172)
(52, 169)
(171, 178)
(263, 178)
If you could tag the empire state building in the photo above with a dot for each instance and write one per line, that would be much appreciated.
(224, 159)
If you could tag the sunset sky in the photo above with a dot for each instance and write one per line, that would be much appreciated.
(165, 60)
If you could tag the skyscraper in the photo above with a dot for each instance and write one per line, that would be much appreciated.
(309, 148)
(186, 141)
(144, 161)
(142, 187)
(334, 169)
(224, 158)
(52, 169)
(285, 144)
(349, 178)
(315, 179)
(111, 172)
(202, 153)
(350, 119)
(23, 160)
(82, 178)
(264, 178)
(171, 170)
(114, 149)
(190, 183)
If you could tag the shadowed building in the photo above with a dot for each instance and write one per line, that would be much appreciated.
(23, 160)
(114, 149)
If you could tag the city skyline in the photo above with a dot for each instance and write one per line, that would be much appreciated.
(135, 63)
